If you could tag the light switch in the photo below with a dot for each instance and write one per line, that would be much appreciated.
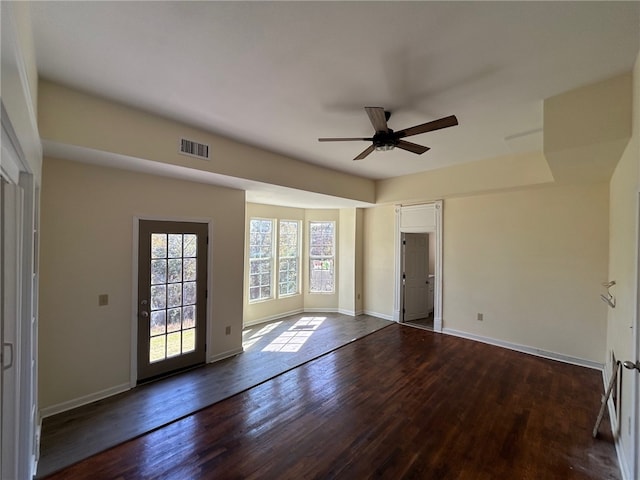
(103, 300)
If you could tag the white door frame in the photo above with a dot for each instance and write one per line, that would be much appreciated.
(635, 382)
(423, 218)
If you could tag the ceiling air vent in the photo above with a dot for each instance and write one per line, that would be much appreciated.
(194, 149)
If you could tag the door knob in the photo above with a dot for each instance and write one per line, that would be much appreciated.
(631, 366)
(144, 314)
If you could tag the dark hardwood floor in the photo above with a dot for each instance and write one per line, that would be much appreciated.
(399, 403)
(269, 350)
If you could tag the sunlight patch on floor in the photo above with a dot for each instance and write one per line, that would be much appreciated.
(248, 340)
(294, 338)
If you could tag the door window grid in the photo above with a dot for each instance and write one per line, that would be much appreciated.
(173, 295)
(289, 258)
(260, 259)
(321, 257)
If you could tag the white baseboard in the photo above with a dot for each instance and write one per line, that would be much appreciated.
(273, 317)
(379, 315)
(526, 349)
(223, 355)
(84, 400)
(320, 310)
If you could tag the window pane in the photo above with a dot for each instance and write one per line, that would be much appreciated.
(190, 245)
(175, 245)
(158, 271)
(174, 320)
(158, 245)
(175, 270)
(158, 297)
(189, 269)
(260, 258)
(189, 289)
(189, 316)
(157, 348)
(174, 295)
(174, 344)
(158, 319)
(188, 340)
(321, 257)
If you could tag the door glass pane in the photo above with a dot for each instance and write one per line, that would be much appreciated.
(158, 297)
(174, 346)
(189, 297)
(190, 245)
(175, 245)
(189, 316)
(174, 295)
(175, 270)
(188, 340)
(173, 321)
(158, 245)
(157, 349)
(158, 322)
(189, 269)
(158, 271)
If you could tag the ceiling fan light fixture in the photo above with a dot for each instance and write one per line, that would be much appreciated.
(385, 147)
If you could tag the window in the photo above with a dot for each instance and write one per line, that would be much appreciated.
(321, 257)
(260, 259)
(289, 258)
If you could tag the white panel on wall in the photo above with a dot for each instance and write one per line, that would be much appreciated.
(421, 217)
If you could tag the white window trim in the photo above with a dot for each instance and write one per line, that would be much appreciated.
(273, 262)
(332, 257)
(297, 257)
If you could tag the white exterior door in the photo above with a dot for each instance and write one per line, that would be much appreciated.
(416, 276)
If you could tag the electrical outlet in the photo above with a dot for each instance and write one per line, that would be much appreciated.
(103, 300)
(227, 331)
(480, 317)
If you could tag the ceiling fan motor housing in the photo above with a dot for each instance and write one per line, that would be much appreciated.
(385, 140)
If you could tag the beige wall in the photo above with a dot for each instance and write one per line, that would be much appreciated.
(348, 248)
(86, 250)
(532, 262)
(501, 173)
(70, 117)
(265, 310)
(379, 260)
(623, 263)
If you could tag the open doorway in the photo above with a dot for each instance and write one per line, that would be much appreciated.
(418, 272)
(418, 279)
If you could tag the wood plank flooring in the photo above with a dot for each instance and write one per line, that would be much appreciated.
(270, 349)
(399, 403)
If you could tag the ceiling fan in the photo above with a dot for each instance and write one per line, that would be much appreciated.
(387, 139)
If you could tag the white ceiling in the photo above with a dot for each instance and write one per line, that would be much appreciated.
(281, 74)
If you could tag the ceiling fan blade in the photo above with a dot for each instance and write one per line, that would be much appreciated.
(412, 147)
(370, 149)
(344, 139)
(378, 118)
(445, 122)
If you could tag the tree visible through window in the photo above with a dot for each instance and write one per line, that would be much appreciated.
(321, 257)
(260, 259)
(289, 254)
